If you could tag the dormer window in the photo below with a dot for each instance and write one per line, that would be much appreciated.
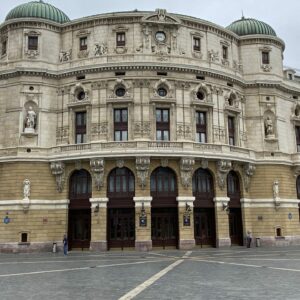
(224, 52)
(83, 43)
(32, 43)
(120, 39)
(265, 57)
(196, 44)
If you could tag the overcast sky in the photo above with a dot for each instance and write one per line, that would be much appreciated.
(283, 16)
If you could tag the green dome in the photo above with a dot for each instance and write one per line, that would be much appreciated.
(247, 26)
(38, 9)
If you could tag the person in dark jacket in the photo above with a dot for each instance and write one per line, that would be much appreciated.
(65, 243)
(249, 239)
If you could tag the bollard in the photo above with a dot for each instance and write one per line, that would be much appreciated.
(54, 248)
(257, 242)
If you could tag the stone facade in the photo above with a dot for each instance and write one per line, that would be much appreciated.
(59, 80)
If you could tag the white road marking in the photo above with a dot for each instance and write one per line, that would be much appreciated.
(245, 265)
(81, 268)
(187, 254)
(131, 294)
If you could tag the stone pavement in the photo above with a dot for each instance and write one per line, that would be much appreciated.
(234, 273)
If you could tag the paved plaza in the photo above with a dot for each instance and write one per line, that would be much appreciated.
(235, 273)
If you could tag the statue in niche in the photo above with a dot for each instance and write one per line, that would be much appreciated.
(30, 120)
(269, 128)
(26, 189)
(276, 189)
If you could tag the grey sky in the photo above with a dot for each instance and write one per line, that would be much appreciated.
(283, 16)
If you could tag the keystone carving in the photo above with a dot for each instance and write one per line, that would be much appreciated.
(186, 171)
(58, 170)
(97, 169)
(223, 167)
(249, 170)
(142, 165)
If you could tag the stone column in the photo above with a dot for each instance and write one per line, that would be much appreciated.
(98, 224)
(222, 222)
(143, 240)
(186, 232)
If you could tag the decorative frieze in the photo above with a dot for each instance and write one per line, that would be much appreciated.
(65, 56)
(186, 171)
(142, 165)
(97, 169)
(223, 167)
(58, 170)
(100, 49)
(213, 56)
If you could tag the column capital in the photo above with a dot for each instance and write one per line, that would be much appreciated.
(183, 200)
(102, 202)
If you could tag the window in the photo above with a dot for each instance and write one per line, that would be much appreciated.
(4, 47)
(265, 57)
(225, 52)
(231, 130)
(196, 44)
(121, 124)
(120, 92)
(121, 182)
(162, 125)
(83, 43)
(80, 127)
(201, 127)
(290, 76)
(32, 43)
(162, 92)
(200, 95)
(297, 131)
(120, 39)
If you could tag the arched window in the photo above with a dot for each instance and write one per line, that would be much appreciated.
(298, 192)
(163, 183)
(203, 184)
(120, 183)
(233, 185)
(80, 185)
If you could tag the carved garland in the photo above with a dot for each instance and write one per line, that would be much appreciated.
(58, 170)
(223, 167)
(186, 171)
(142, 165)
(97, 169)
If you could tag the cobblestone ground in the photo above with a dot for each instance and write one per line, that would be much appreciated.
(235, 273)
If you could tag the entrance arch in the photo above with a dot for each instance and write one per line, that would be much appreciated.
(79, 224)
(204, 211)
(164, 208)
(235, 212)
(121, 211)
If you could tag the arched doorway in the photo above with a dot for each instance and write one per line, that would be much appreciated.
(235, 212)
(79, 225)
(121, 212)
(204, 212)
(164, 211)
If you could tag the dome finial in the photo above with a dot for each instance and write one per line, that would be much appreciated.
(243, 15)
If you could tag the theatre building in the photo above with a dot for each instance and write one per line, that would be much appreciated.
(145, 130)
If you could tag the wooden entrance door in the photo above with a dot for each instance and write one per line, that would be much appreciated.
(79, 228)
(204, 226)
(235, 226)
(164, 230)
(121, 228)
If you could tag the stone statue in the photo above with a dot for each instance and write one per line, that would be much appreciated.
(100, 49)
(276, 189)
(26, 189)
(269, 129)
(65, 55)
(30, 120)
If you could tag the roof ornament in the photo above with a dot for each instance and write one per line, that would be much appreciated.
(243, 17)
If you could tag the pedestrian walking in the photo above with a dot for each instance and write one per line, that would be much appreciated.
(65, 243)
(249, 239)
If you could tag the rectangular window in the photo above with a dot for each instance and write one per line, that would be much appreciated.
(80, 127)
(265, 58)
(121, 124)
(225, 52)
(83, 43)
(162, 125)
(297, 131)
(196, 44)
(120, 39)
(231, 131)
(201, 127)
(4, 47)
(32, 43)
